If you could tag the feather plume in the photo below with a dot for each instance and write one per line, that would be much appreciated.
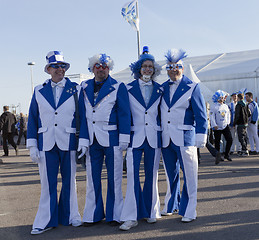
(174, 55)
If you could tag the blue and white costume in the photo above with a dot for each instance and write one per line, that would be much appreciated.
(184, 124)
(52, 130)
(145, 138)
(252, 129)
(108, 118)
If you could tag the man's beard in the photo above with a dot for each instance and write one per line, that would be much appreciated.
(146, 78)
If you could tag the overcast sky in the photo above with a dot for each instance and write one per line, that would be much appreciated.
(82, 28)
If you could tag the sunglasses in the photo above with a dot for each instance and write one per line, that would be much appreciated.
(56, 66)
(103, 66)
(174, 66)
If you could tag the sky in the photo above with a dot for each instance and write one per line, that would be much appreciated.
(82, 28)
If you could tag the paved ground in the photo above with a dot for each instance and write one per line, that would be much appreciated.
(228, 204)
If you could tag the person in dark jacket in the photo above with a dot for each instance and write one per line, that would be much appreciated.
(23, 129)
(7, 125)
(242, 114)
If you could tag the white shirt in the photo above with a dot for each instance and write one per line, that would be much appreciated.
(146, 89)
(173, 87)
(57, 89)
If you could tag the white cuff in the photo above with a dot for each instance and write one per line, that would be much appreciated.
(83, 142)
(124, 138)
(31, 142)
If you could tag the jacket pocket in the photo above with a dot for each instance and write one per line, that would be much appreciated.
(185, 127)
(70, 130)
(109, 127)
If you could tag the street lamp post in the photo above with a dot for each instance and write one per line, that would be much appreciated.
(31, 64)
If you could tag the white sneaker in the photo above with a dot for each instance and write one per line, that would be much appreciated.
(128, 225)
(76, 223)
(37, 231)
(151, 220)
(187, 220)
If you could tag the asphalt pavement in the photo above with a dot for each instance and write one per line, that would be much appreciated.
(228, 203)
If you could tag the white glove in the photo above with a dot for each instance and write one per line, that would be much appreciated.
(123, 146)
(83, 149)
(35, 154)
(200, 144)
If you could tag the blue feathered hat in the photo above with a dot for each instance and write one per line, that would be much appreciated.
(175, 55)
(217, 95)
(136, 66)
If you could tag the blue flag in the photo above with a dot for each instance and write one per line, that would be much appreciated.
(129, 13)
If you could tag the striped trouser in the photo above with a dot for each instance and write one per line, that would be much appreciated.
(51, 212)
(187, 158)
(94, 208)
(142, 204)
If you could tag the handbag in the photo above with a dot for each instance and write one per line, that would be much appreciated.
(81, 160)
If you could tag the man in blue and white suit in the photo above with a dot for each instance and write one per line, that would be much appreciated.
(184, 124)
(52, 143)
(108, 119)
(145, 97)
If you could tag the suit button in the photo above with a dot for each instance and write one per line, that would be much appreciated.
(168, 121)
(146, 123)
(93, 122)
(56, 113)
(56, 124)
(93, 111)
(145, 112)
(169, 110)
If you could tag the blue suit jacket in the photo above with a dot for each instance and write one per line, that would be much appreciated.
(49, 124)
(184, 118)
(146, 121)
(108, 117)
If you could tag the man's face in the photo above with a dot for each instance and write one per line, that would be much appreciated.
(101, 71)
(175, 71)
(248, 99)
(57, 71)
(147, 68)
(234, 97)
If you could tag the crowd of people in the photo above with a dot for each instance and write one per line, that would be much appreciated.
(237, 122)
(142, 117)
(102, 118)
(10, 126)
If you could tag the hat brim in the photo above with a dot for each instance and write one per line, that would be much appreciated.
(66, 68)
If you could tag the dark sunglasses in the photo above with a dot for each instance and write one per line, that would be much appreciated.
(56, 66)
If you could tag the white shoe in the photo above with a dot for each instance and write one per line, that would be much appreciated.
(37, 231)
(76, 223)
(151, 220)
(187, 220)
(128, 225)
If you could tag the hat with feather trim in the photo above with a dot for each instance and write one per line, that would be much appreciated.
(145, 56)
(101, 58)
(217, 95)
(175, 55)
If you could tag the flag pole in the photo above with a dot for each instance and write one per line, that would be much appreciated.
(138, 35)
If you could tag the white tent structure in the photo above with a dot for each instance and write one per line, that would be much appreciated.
(230, 72)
